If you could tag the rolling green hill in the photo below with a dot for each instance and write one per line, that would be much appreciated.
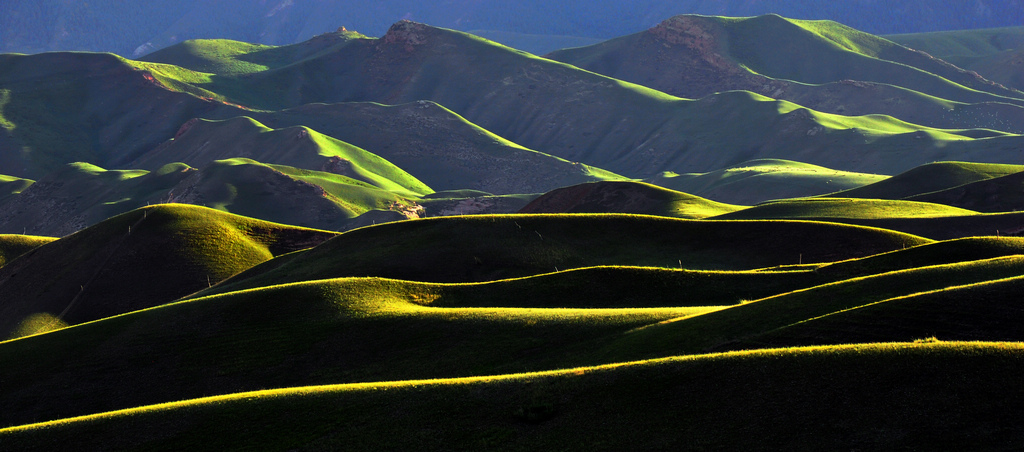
(930, 177)
(762, 180)
(967, 390)
(840, 208)
(139, 259)
(626, 197)
(998, 194)
(14, 245)
(491, 247)
(995, 53)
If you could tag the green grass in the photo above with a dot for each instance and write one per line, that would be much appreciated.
(627, 197)
(491, 247)
(14, 245)
(744, 324)
(930, 177)
(806, 398)
(852, 208)
(343, 330)
(762, 180)
(139, 259)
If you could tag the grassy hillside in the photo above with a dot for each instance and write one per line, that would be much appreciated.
(761, 180)
(763, 401)
(822, 65)
(994, 53)
(578, 115)
(139, 259)
(626, 197)
(998, 194)
(930, 177)
(494, 247)
(14, 245)
(853, 208)
(203, 141)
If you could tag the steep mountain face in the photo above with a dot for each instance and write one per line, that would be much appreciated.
(821, 65)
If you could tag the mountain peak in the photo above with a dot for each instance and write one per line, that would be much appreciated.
(685, 29)
(407, 33)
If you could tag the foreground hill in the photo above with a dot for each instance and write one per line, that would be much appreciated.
(819, 64)
(136, 260)
(967, 389)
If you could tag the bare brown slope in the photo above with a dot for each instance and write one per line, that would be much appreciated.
(140, 259)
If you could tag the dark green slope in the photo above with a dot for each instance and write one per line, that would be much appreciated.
(201, 142)
(626, 197)
(741, 326)
(883, 396)
(433, 144)
(998, 194)
(139, 259)
(81, 195)
(320, 332)
(756, 181)
(845, 208)
(930, 177)
(117, 113)
(85, 107)
(694, 56)
(995, 53)
(487, 247)
(14, 245)
(584, 117)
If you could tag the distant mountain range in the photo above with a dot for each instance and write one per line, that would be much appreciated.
(347, 125)
(137, 28)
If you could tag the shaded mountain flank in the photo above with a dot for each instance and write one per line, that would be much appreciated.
(821, 65)
(995, 53)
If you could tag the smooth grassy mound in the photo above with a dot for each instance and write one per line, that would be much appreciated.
(491, 247)
(627, 197)
(998, 194)
(952, 395)
(945, 228)
(838, 208)
(139, 259)
(743, 324)
(761, 180)
(982, 311)
(319, 332)
(14, 245)
(936, 253)
(930, 177)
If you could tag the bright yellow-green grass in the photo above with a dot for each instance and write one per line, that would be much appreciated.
(931, 395)
(14, 245)
(854, 208)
